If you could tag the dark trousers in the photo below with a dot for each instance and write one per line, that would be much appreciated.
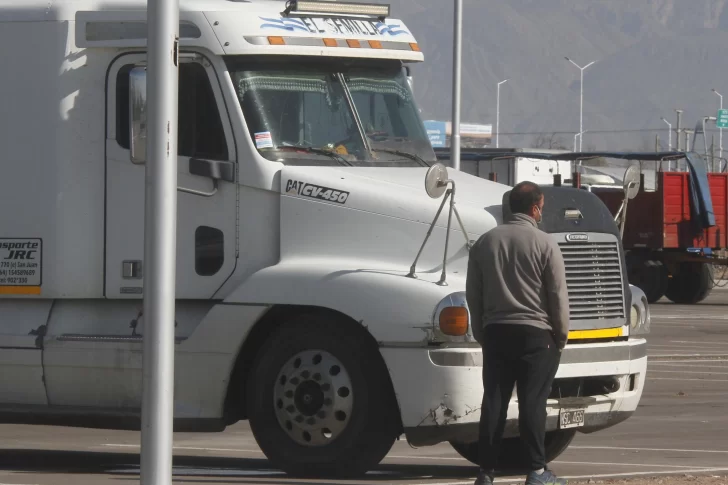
(526, 356)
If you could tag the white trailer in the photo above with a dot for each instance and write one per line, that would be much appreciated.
(301, 208)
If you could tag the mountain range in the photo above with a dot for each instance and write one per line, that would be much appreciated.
(652, 57)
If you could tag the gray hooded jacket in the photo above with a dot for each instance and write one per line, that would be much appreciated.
(516, 275)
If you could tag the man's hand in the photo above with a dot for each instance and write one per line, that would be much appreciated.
(474, 296)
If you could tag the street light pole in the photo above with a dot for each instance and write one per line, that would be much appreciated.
(669, 134)
(160, 243)
(581, 102)
(497, 114)
(579, 135)
(678, 130)
(456, 83)
(720, 135)
(669, 142)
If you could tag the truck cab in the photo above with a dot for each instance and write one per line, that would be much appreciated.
(301, 208)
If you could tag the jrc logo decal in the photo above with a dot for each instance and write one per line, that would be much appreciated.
(577, 237)
(21, 264)
(303, 189)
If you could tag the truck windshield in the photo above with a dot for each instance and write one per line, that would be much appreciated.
(331, 112)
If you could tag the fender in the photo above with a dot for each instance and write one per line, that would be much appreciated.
(394, 308)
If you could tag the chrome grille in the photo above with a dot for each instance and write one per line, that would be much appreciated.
(594, 280)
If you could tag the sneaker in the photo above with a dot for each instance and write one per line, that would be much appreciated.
(484, 478)
(546, 478)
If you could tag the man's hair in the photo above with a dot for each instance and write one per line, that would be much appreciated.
(524, 196)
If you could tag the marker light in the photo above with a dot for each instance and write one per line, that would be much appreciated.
(454, 321)
(329, 7)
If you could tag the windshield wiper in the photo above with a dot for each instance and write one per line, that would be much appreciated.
(411, 156)
(318, 151)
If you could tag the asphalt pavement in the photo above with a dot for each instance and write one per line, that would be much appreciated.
(681, 427)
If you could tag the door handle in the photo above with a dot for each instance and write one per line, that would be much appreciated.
(199, 192)
(213, 169)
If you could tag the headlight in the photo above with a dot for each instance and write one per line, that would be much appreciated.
(454, 321)
(452, 318)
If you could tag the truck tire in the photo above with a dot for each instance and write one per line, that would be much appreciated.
(691, 284)
(650, 276)
(320, 400)
(512, 455)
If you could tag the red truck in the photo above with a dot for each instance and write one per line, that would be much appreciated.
(672, 234)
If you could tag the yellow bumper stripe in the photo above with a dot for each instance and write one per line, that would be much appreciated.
(598, 333)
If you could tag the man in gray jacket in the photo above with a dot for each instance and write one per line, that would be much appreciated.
(519, 307)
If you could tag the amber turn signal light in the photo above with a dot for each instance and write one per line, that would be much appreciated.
(454, 321)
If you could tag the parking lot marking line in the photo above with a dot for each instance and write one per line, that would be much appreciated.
(664, 356)
(620, 448)
(620, 464)
(677, 367)
(423, 457)
(685, 379)
(703, 319)
(692, 363)
(698, 342)
(677, 361)
(679, 345)
(690, 324)
(417, 457)
(685, 348)
(687, 366)
(601, 475)
(684, 470)
(688, 372)
(192, 448)
(195, 448)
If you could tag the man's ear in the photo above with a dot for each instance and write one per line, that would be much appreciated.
(506, 205)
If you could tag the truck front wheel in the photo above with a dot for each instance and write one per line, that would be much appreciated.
(512, 454)
(319, 401)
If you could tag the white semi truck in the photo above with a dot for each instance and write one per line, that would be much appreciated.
(302, 206)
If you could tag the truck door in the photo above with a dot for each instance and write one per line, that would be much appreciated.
(93, 350)
(207, 208)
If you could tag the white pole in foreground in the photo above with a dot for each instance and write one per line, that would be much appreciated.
(497, 113)
(160, 245)
(456, 83)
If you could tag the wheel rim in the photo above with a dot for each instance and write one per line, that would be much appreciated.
(313, 398)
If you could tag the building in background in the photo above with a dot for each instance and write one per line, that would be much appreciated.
(472, 135)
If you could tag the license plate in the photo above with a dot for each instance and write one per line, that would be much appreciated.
(571, 418)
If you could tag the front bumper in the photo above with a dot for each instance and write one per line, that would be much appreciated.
(440, 390)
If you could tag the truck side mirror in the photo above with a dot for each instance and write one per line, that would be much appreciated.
(138, 114)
